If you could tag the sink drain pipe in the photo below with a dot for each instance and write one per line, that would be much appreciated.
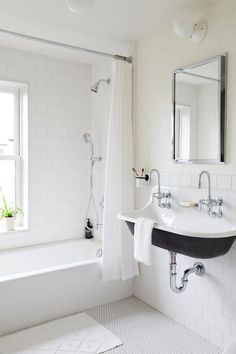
(198, 268)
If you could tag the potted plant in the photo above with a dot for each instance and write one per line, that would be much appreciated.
(8, 214)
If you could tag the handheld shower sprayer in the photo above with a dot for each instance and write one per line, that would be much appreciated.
(87, 137)
(88, 140)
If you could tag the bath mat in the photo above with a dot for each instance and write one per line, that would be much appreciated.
(78, 333)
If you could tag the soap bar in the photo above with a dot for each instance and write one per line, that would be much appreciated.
(188, 204)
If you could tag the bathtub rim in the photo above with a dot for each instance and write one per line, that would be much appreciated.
(51, 269)
(48, 244)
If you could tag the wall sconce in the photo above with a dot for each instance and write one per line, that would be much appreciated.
(186, 28)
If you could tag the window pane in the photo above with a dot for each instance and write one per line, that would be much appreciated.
(7, 122)
(7, 181)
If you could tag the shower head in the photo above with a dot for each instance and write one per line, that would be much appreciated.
(95, 86)
(87, 138)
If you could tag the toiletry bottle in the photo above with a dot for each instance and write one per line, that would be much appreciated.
(88, 229)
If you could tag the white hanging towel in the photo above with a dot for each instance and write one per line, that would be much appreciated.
(143, 240)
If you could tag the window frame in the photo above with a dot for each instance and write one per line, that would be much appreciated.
(20, 154)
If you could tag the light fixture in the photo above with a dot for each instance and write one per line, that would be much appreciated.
(186, 28)
(79, 6)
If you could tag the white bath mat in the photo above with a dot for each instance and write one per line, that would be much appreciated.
(74, 334)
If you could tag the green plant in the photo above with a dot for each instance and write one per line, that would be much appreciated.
(8, 212)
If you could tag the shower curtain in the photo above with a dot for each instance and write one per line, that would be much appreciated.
(118, 261)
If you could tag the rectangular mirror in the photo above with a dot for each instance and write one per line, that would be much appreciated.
(199, 112)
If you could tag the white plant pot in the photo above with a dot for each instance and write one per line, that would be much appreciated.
(9, 223)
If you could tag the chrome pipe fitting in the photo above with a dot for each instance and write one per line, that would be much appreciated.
(198, 269)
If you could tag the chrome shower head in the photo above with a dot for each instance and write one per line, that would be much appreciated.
(87, 138)
(95, 86)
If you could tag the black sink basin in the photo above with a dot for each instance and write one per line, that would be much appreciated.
(196, 247)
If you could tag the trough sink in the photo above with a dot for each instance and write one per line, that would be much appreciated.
(189, 231)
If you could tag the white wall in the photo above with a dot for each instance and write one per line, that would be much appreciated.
(100, 113)
(209, 309)
(157, 57)
(59, 113)
(62, 108)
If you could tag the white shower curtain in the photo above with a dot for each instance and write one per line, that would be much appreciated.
(118, 261)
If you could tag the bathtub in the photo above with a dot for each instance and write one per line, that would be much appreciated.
(45, 282)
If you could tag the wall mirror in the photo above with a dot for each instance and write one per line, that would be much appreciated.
(199, 112)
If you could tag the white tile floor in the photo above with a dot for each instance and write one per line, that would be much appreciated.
(142, 329)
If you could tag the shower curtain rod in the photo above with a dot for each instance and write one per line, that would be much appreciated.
(64, 45)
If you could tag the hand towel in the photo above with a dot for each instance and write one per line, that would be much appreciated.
(143, 240)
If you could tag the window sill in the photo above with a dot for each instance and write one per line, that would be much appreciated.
(17, 229)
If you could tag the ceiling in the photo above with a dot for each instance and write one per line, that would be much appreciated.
(121, 20)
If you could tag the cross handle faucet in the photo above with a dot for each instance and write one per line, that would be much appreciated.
(213, 204)
(162, 197)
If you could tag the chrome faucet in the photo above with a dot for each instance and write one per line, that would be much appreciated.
(162, 197)
(213, 205)
(208, 180)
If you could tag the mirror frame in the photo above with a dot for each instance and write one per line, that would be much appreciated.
(221, 108)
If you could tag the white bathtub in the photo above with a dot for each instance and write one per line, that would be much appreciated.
(35, 260)
(44, 282)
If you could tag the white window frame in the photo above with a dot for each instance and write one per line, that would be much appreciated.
(20, 155)
(183, 114)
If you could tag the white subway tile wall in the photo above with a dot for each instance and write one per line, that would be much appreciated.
(208, 305)
(59, 113)
(100, 109)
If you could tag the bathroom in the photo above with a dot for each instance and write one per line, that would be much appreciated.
(90, 128)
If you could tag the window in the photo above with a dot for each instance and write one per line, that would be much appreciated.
(13, 146)
(182, 143)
